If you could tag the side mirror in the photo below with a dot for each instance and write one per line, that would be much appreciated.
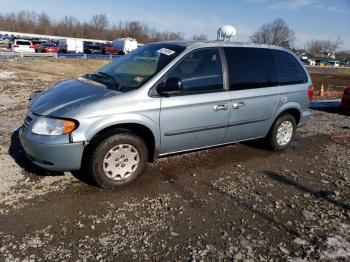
(171, 85)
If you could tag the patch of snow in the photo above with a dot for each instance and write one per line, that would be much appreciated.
(338, 246)
(7, 75)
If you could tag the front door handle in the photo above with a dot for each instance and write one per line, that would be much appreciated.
(220, 107)
(238, 105)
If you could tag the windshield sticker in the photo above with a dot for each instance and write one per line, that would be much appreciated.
(166, 51)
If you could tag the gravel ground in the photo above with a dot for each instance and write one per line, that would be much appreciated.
(238, 202)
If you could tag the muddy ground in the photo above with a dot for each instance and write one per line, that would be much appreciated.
(238, 202)
(332, 79)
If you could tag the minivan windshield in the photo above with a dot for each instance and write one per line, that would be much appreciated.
(136, 68)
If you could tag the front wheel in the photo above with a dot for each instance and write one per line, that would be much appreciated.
(118, 160)
(282, 132)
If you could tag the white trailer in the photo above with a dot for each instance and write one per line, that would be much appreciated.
(125, 45)
(55, 37)
(71, 45)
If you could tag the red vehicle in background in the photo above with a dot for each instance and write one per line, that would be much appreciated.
(109, 49)
(36, 44)
(345, 101)
(48, 48)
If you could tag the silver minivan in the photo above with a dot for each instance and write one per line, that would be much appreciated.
(164, 98)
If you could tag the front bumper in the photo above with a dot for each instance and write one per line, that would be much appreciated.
(54, 153)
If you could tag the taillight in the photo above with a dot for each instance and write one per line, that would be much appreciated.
(310, 92)
(15, 45)
(31, 46)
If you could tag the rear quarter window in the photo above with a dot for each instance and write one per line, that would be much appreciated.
(289, 70)
(250, 67)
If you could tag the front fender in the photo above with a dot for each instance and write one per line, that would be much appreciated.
(89, 127)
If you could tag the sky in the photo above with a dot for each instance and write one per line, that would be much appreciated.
(310, 19)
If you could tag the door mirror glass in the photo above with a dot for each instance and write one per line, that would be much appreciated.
(171, 85)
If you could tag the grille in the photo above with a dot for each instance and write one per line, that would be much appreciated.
(26, 123)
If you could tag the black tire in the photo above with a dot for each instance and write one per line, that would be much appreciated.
(272, 139)
(100, 150)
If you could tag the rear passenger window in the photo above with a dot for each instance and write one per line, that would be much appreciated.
(250, 67)
(289, 69)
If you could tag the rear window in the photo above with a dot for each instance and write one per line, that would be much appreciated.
(250, 67)
(22, 42)
(290, 71)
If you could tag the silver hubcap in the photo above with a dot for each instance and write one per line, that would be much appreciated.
(121, 162)
(284, 133)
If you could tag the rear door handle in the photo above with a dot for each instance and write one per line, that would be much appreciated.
(238, 105)
(220, 107)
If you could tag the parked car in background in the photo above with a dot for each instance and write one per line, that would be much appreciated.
(4, 41)
(312, 62)
(92, 49)
(305, 60)
(48, 48)
(125, 45)
(36, 44)
(345, 101)
(324, 64)
(70, 45)
(108, 49)
(333, 63)
(166, 98)
(22, 46)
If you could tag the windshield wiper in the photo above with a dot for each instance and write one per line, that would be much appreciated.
(102, 75)
(106, 75)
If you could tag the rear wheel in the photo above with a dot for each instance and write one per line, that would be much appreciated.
(118, 160)
(282, 132)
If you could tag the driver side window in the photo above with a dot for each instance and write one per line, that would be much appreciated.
(200, 71)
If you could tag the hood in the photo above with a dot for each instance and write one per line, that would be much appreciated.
(67, 96)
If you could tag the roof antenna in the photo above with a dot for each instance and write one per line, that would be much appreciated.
(226, 33)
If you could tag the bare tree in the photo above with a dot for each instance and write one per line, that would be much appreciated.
(275, 33)
(44, 24)
(98, 27)
(314, 47)
(200, 37)
(323, 47)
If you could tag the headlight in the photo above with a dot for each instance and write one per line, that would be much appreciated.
(53, 126)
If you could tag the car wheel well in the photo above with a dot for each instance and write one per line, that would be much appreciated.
(294, 112)
(140, 130)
